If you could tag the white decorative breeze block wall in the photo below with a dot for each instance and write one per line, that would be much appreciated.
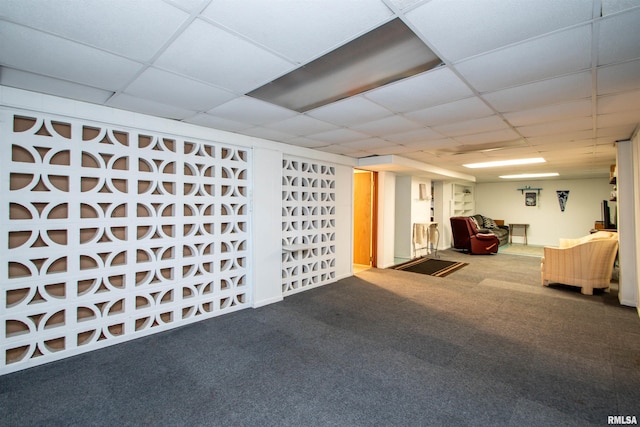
(109, 234)
(308, 224)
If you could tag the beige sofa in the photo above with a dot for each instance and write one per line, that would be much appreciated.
(586, 262)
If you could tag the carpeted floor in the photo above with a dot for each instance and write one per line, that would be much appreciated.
(519, 249)
(487, 345)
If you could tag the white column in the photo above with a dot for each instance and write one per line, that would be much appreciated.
(628, 282)
(266, 230)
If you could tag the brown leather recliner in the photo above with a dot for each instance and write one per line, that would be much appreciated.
(467, 238)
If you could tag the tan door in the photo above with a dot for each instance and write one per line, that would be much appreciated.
(363, 201)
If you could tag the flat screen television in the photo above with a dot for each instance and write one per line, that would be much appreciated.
(606, 216)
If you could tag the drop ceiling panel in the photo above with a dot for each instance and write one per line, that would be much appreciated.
(368, 144)
(619, 102)
(386, 126)
(438, 86)
(607, 135)
(580, 108)
(613, 6)
(301, 125)
(546, 92)
(317, 26)
(613, 47)
(252, 111)
(303, 141)
(215, 56)
(461, 29)
(207, 120)
(619, 78)
(338, 136)
(266, 133)
(484, 124)
(35, 82)
(487, 137)
(415, 136)
(110, 25)
(619, 119)
(127, 102)
(457, 111)
(350, 111)
(40, 53)
(168, 88)
(558, 126)
(556, 54)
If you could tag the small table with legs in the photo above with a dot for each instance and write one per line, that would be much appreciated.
(514, 226)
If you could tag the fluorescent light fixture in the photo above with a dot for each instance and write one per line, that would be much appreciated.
(386, 54)
(499, 163)
(530, 175)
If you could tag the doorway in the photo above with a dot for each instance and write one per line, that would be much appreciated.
(364, 218)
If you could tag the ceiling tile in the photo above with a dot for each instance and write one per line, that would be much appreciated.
(215, 56)
(127, 102)
(619, 102)
(434, 87)
(249, 110)
(613, 48)
(465, 28)
(405, 4)
(110, 25)
(607, 135)
(347, 151)
(464, 109)
(487, 137)
(613, 6)
(484, 124)
(317, 26)
(368, 144)
(168, 88)
(414, 136)
(303, 141)
(51, 86)
(338, 136)
(301, 125)
(619, 78)
(40, 53)
(350, 111)
(619, 119)
(266, 133)
(546, 92)
(567, 110)
(558, 126)
(556, 54)
(386, 126)
(210, 121)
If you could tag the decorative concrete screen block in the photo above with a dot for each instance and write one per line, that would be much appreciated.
(109, 234)
(308, 224)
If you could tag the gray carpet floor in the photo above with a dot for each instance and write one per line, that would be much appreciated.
(487, 345)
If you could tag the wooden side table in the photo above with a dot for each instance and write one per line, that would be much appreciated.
(524, 231)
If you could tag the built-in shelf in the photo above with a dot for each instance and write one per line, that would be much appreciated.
(463, 200)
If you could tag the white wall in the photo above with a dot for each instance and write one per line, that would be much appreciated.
(409, 210)
(628, 282)
(502, 200)
(635, 164)
(386, 218)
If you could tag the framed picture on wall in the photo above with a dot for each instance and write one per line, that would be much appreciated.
(530, 199)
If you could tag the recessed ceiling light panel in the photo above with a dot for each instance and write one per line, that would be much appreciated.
(530, 175)
(500, 163)
(386, 54)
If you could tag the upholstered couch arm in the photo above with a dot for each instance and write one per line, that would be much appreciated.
(588, 265)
